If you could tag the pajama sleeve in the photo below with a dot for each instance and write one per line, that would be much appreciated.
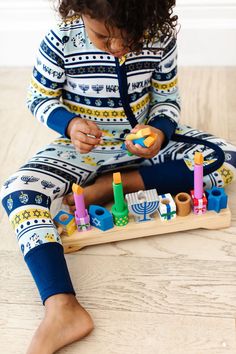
(164, 109)
(44, 98)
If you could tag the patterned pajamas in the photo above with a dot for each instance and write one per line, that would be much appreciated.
(72, 78)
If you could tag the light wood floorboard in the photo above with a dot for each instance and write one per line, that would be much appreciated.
(170, 294)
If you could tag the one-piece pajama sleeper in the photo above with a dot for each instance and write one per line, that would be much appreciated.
(73, 78)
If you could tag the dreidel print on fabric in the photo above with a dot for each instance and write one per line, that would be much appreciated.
(167, 207)
(82, 218)
(66, 221)
(119, 209)
(142, 204)
(217, 199)
(100, 217)
(199, 199)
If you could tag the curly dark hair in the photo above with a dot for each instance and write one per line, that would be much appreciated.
(141, 20)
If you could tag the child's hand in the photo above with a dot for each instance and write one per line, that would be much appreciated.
(85, 135)
(140, 151)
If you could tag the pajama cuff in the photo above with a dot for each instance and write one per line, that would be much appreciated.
(166, 125)
(48, 267)
(59, 119)
(169, 177)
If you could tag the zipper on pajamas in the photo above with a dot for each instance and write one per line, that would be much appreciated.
(123, 89)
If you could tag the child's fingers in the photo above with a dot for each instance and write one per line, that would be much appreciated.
(94, 129)
(83, 138)
(153, 149)
(134, 148)
(141, 151)
(83, 127)
(137, 128)
(83, 148)
(83, 151)
(131, 145)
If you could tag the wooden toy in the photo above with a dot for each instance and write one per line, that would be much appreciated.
(144, 137)
(197, 194)
(198, 175)
(167, 207)
(142, 204)
(217, 199)
(100, 217)
(149, 141)
(211, 221)
(119, 210)
(183, 204)
(199, 205)
(66, 221)
(142, 133)
(82, 218)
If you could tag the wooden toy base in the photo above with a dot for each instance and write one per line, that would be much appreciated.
(211, 220)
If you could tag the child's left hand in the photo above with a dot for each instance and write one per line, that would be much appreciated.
(140, 151)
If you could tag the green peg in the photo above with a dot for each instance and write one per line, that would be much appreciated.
(119, 210)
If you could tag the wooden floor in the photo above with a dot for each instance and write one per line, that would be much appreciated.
(170, 294)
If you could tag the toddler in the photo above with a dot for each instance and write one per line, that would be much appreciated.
(109, 68)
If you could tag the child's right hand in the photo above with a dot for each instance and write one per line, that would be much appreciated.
(78, 130)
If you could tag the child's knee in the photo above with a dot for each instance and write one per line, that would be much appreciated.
(23, 189)
(27, 206)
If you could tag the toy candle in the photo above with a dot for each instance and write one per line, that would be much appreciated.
(119, 209)
(198, 175)
(79, 200)
(118, 192)
(81, 214)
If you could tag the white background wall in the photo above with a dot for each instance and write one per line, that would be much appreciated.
(207, 35)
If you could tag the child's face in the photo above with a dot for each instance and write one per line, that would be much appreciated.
(99, 35)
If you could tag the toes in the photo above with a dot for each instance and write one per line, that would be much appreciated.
(69, 200)
(72, 209)
(64, 200)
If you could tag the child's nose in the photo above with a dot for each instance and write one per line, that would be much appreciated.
(116, 45)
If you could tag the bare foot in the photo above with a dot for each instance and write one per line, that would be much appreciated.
(65, 322)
